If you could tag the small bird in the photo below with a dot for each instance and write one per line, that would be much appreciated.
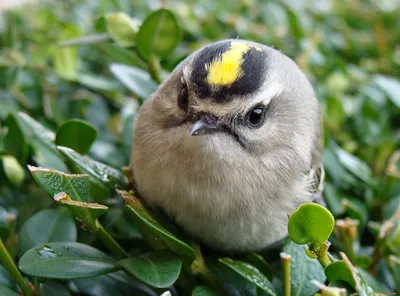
(230, 145)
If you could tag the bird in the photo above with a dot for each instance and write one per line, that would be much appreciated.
(229, 145)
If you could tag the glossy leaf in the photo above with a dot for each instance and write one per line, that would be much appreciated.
(45, 227)
(159, 34)
(100, 175)
(41, 139)
(66, 260)
(135, 79)
(154, 232)
(310, 223)
(159, 269)
(77, 135)
(303, 269)
(338, 271)
(251, 273)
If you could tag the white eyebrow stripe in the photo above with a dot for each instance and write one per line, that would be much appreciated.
(269, 92)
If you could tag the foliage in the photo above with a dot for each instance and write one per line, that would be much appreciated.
(72, 77)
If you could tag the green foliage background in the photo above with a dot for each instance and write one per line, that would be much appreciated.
(62, 60)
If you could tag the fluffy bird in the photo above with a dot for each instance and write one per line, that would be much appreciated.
(230, 145)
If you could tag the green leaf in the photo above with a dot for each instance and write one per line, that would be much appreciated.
(77, 135)
(102, 178)
(310, 223)
(45, 227)
(159, 34)
(230, 280)
(351, 276)
(259, 262)
(122, 28)
(53, 288)
(135, 79)
(158, 269)
(6, 279)
(66, 260)
(204, 291)
(66, 60)
(54, 182)
(14, 141)
(391, 86)
(41, 139)
(116, 284)
(154, 232)
(86, 212)
(358, 167)
(338, 271)
(6, 291)
(86, 40)
(356, 209)
(302, 269)
(250, 273)
(13, 170)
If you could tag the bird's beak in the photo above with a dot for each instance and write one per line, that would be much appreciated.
(204, 126)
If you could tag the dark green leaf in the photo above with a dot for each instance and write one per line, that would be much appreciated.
(41, 139)
(14, 141)
(154, 232)
(310, 223)
(303, 269)
(53, 288)
(6, 279)
(159, 269)
(204, 291)
(77, 135)
(250, 273)
(116, 284)
(66, 260)
(45, 227)
(159, 34)
(6, 291)
(102, 178)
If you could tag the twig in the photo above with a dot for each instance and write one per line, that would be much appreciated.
(10, 266)
(286, 259)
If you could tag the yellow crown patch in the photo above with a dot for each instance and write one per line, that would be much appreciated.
(226, 69)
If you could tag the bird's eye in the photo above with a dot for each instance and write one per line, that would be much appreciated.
(183, 98)
(256, 116)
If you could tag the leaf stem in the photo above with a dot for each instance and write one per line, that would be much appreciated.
(103, 235)
(286, 260)
(10, 266)
(154, 69)
(321, 251)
